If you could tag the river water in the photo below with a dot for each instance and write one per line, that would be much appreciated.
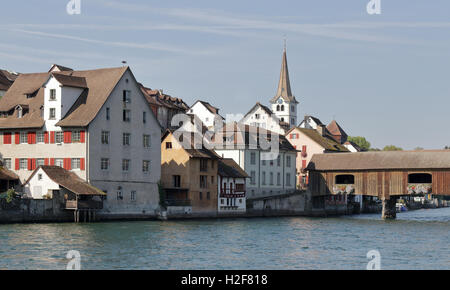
(416, 240)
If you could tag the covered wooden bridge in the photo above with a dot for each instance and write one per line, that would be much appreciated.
(386, 175)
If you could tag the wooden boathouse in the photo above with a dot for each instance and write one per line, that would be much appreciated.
(383, 174)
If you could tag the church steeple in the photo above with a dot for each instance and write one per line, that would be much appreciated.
(284, 84)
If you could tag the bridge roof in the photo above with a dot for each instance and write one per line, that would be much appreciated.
(388, 160)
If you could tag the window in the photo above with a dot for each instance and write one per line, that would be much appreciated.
(282, 107)
(104, 164)
(176, 180)
(419, 178)
(23, 137)
(271, 178)
(264, 178)
(293, 108)
(40, 162)
(278, 107)
(119, 193)
(52, 113)
(7, 163)
(212, 179)
(39, 176)
(127, 97)
(263, 162)
(76, 136)
(345, 179)
(59, 162)
(288, 161)
(168, 145)
(133, 195)
(126, 139)
(59, 136)
(107, 114)
(40, 137)
(278, 178)
(200, 196)
(288, 179)
(252, 158)
(105, 137)
(292, 121)
(203, 181)
(125, 165)
(126, 115)
(146, 141)
(208, 195)
(252, 177)
(52, 94)
(279, 160)
(145, 166)
(257, 116)
(23, 163)
(203, 164)
(75, 164)
(144, 117)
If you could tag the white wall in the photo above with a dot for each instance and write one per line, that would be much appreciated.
(203, 114)
(240, 202)
(38, 188)
(265, 121)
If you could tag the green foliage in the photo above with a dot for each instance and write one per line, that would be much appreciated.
(9, 195)
(162, 195)
(392, 148)
(361, 142)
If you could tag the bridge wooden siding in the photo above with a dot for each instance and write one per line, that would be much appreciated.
(377, 183)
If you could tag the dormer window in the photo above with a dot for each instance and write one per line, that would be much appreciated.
(52, 113)
(19, 112)
(52, 94)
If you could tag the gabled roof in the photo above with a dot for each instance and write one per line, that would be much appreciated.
(229, 168)
(259, 105)
(68, 180)
(335, 129)
(327, 142)
(316, 120)
(192, 151)
(284, 85)
(57, 67)
(6, 174)
(158, 98)
(356, 146)
(70, 80)
(208, 106)
(6, 79)
(383, 160)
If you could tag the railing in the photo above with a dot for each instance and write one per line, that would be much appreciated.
(228, 192)
(419, 188)
(228, 207)
(178, 202)
(84, 204)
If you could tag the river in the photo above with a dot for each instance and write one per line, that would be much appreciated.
(416, 240)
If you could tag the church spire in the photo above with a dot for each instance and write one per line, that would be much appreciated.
(284, 85)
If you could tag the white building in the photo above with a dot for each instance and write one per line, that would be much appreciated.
(284, 104)
(267, 177)
(95, 123)
(310, 122)
(231, 187)
(207, 113)
(262, 117)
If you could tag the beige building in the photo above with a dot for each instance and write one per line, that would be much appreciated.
(95, 123)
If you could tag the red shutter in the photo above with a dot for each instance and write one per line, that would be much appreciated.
(34, 137)
(46, 138)
(303, 164)
(82, 136)
(30, 138)
(52, 137)
(52, 161)
(7, 138)
(67, 136)
(67, 163)
(82, 163)
(33, 164)
(17, 138)
(17, 163)
(46, 161)
(30, 164)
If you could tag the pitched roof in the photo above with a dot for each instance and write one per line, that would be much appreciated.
(100, 84)
(335, 129)
(6, 174)
(284, 85)
(57, 67)
(68, 180)
(192, 151)
(158, 98)
(264, 108)
(356, 146)
(208, 106)
(229, 168)
(382, 160)
(327, 142)
(6, 79)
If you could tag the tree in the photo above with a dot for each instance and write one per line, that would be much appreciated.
(392, 148)
(361, 142)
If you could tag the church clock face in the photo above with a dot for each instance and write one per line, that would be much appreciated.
(280, 101)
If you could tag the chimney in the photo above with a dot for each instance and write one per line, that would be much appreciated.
(321, 129)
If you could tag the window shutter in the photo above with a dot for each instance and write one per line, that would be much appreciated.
(30, 164)
(52, 161)
(17, 138)
(46, 161)
(17, 163)
(46, 138)
(82, 136)
(33, 163)
(7, 138)
(67, 164)
(82, 163)
(30, 138)
(52, 137)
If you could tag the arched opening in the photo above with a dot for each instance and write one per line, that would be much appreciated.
(282, 107)
(345, 179)
(420, 178)
(278, 107)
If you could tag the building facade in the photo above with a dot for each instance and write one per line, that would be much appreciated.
(231, 187)
(95, 123)
(207, 113)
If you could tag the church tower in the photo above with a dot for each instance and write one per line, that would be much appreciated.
(284, 104)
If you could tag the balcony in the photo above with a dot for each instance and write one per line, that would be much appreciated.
(178, 202)
(232, 193)
(83, 204)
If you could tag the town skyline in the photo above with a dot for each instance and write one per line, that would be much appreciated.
(365, 61)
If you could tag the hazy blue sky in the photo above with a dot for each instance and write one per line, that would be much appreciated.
(384, 76)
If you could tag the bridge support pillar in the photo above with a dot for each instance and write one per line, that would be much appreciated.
(389, 209)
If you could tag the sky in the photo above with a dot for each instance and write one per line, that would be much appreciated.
(382, 76)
